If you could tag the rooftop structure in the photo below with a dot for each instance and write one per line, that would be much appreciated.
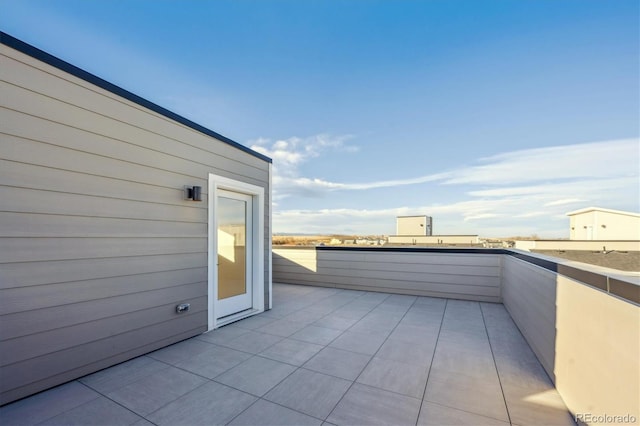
(414, 225)
(594, 223)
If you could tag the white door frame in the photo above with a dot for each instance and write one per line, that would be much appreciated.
(257, 279)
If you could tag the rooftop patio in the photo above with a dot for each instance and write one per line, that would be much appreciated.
(323, 355)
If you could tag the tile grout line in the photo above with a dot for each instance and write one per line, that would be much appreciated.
(112, 400)
(495, 364)
(433, 355)
(298, 367)
(372, 356)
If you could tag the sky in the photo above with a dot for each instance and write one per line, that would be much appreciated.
(495, 118)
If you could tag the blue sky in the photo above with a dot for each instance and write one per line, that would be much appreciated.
(494, 117)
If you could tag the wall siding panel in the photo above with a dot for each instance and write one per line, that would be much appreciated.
(458, 276)
(97, 244)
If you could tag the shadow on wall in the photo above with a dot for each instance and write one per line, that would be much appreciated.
(588, 341)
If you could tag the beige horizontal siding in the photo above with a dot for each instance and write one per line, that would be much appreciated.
(51, 82)
(97, 244)
(75, 323)
(529, 294)
(460, 276)
(58, 296)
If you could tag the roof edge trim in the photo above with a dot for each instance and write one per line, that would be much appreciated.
(62, 65)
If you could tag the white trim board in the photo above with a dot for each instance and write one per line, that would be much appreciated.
(217, 183)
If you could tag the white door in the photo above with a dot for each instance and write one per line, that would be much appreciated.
(235, 239)
(589, 232)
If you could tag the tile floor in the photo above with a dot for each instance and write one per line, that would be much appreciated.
(320, 357)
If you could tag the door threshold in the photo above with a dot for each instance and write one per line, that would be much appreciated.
(237, 316)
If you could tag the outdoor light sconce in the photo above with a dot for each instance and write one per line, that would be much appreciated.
(193, 193)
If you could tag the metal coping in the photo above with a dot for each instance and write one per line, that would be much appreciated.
(626, 291)
(56, 62)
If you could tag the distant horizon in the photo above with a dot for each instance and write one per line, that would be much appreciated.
(493, 117)
(523, 237)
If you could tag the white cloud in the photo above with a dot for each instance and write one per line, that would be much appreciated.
(500, 196)
(289, 154)
(588, 160)
(564, 202)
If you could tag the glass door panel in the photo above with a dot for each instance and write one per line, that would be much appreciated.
(234, 218)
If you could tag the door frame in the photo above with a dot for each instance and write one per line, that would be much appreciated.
(217, 183)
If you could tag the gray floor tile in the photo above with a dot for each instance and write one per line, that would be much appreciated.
(100, 411)
(283, 327)
(472, 363)
(47, 404)
(364, 405)
(372, 327)
(417, 353)
(180, 351)
(352, 313)
(336, 322)
(476, 395)
(121, 375)
(413, 333)
(422, 318)
(311, 393)
(267, 413)
(336, 362)
(254, 322)
(364, 343)
(210, 404)
(430, 302)
(374, 297)
(214, 361)
(317, 335)
(143, 422)
(305, 316)
(400, 300)
(291, 351)
(391, 309)
(256, 375)
(533, 407)
(407, 379)
(439, 415)
(223, 334)
(253, 342)
(154, 391)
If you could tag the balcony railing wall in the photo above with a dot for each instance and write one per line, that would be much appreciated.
(457, 274)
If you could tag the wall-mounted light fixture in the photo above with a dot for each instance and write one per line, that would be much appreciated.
(193, 193)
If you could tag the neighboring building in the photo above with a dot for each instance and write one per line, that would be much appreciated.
(595, 223)
(102, 257)
(414, 225)
(435, 239)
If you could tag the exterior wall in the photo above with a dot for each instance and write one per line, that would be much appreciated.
(604, 225)
(434, 239)
(414, 225)
(97, 244)
(587, 340)
(450, 275)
